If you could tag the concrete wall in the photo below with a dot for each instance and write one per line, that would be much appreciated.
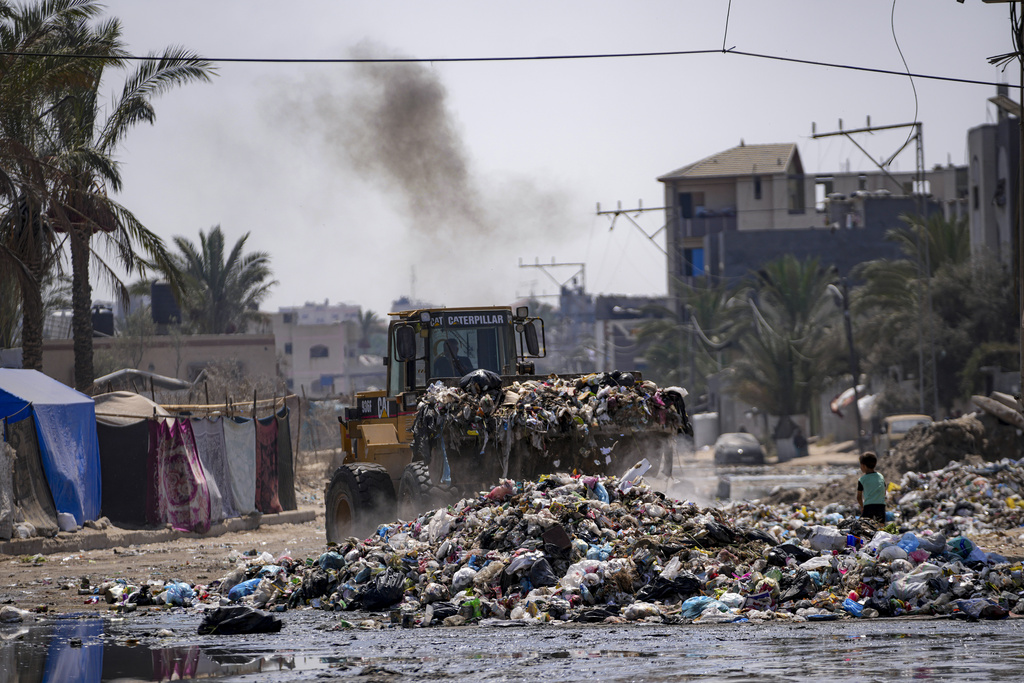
(182, 357)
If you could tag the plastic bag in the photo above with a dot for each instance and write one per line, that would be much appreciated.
(695, 606)
(238, 619)
(463, 578)
(641, 610)
(633, 474)
(385, 591)
(684, 585)
(243, 589)
(179, 594)
(909, 542)
(480, 381)
(853, 607)
(331, 560)
(541, 574)
(827, 538)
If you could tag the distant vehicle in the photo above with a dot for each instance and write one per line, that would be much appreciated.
(738, 448)
(895, 427)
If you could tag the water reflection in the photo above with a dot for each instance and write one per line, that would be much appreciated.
(81, 652)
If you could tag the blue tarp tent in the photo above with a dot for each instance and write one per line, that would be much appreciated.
(66, 425)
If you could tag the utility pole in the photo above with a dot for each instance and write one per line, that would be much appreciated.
(1018, 35)
(923, 250)
(844, 295)
(619, 211)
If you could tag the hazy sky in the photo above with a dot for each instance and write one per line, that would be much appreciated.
(368, 182)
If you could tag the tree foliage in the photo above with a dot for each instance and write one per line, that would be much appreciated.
(897, 329)
(220, 290)
(792, 345)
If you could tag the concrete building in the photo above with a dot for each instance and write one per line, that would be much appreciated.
(732, 212)
(318, 348)
(993, 165)
(180, 356)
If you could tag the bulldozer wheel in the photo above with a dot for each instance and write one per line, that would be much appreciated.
(416, 494)
(413, 490)
(358, 498)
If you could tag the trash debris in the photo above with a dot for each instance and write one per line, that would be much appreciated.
(584, 548)
(238, 619)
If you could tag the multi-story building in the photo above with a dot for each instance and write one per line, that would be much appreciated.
(315, 350)
(993, 153)
(732, 212)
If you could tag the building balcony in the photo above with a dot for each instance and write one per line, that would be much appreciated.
(707, 225)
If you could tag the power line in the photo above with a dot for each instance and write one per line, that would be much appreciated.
(524, 58)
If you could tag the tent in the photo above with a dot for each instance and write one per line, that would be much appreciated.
(123, 431)
(66, 426)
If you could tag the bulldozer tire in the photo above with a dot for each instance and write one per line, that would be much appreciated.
(358, 498)
(416, 494)
(414, 490)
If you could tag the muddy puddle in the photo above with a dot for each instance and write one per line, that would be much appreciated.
(317, 645)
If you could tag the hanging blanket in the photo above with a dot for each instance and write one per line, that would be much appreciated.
(266, 465)
(31, 490)
(6, 490)
(240, 439)
(124, 463)
(209, 435)
(178, 492)
(285, 465)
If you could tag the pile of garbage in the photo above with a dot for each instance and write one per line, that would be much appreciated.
(607, 549)
(541, 412)
(963, 498)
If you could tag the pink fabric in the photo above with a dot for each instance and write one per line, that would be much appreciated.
(267, 499)
(178, 493)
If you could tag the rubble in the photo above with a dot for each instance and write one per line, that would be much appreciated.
(594, 549)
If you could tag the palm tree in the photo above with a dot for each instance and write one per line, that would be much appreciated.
(221, 293)
(686, 348)
(38, 56)
(896, 324)
(369, 322)
(84, 168)
(792, 346)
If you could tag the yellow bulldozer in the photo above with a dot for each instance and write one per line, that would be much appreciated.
(464, 408)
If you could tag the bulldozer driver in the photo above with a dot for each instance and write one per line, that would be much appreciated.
(447, 360)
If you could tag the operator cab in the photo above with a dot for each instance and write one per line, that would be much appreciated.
(432, 344)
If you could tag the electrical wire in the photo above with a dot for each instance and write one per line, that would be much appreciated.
(1004, 60)
(728, 12)
(525, 58)
(910, 135)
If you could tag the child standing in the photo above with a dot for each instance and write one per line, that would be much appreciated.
(871, 489)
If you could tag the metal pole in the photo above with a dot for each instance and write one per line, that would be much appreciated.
(1020, 208)
(854, 365)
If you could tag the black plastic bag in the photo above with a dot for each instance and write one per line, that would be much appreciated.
(439, 611)
(480, 381)
(386, 590)
(797, 587)
(685, 585)
(596, 615)
(238, 619)
(758, 535)
(541, 574)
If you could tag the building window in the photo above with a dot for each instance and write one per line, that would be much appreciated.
(693, 262)
(796, 193)
(290, 383)
(287, 348)
(288, 318)
(757, 187)
(318, 351)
